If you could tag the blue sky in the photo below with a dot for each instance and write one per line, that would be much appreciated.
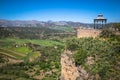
(60, 10)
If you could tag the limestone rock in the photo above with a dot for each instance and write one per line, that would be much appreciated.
(69, 71)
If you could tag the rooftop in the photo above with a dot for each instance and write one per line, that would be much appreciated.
(100, 16)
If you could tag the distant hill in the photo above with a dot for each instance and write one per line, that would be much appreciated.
(35, 23)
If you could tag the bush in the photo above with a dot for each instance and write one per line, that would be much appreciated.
(107, 33)
(80, 57)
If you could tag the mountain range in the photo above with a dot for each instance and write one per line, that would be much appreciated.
(35, 23)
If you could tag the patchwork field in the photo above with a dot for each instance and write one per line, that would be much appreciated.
(33, 58)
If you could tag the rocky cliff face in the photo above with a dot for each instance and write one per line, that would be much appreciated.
(70, 71)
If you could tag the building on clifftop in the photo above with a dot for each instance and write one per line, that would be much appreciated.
(99, 22)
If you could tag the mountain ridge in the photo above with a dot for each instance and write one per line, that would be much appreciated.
(36, 23)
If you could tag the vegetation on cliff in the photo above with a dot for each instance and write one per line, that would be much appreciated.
(104, 52)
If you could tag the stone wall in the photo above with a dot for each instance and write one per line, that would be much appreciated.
(87, 32)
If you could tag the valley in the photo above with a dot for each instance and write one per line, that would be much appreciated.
(46, 53)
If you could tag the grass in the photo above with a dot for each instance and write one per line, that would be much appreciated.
(18, 49)
(8, 55)
(7, 42)
(15, 54)
(22, 49)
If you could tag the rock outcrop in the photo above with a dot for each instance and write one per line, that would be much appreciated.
(70, 71)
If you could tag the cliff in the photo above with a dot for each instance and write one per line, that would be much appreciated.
(70, 71)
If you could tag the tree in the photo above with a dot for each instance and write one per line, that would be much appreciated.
(116, 26)
(107, 33)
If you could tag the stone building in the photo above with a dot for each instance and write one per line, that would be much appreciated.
(99, 23)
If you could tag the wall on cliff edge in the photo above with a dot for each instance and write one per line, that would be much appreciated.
(87, 32)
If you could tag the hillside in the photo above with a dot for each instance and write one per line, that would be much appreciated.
(91, 59)
(36, 32)
(27, 59)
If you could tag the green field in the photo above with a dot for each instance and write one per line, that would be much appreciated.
(18, 48)
(9, 41)
(11, 53)
(33, 58)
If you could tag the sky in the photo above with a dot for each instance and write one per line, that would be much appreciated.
(60, 10)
